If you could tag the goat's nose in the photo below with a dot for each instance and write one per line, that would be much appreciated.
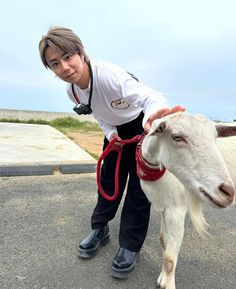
(228, 191)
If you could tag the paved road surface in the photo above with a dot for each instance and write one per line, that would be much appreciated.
(43, 218)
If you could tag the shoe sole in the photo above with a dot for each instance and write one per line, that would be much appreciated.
(87, 254)
(123, 273)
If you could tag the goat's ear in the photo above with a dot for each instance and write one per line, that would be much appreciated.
(158, 126)
(225, 130)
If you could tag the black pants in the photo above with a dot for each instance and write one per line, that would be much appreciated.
(136, 209)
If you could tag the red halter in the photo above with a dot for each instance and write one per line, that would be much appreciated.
(144, 171)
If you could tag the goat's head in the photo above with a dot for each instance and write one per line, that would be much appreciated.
(186, 145)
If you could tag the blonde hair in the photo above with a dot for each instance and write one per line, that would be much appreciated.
(62, 40)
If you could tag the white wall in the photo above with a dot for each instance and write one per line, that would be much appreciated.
(44, 115)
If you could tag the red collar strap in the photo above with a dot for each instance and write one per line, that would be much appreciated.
(145, 170)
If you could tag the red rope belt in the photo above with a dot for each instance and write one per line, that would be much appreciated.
(144, 171)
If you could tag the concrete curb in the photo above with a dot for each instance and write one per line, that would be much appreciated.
(38, 169)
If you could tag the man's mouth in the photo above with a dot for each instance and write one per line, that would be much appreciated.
(70, 75)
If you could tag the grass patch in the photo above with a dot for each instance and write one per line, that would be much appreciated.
(30, 121)
(69, 123)
(63, 124)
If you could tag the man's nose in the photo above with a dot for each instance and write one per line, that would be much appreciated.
(65, 65)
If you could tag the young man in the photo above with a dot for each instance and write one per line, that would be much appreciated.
(123, 108)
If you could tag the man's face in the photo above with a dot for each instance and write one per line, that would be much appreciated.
(68, 67)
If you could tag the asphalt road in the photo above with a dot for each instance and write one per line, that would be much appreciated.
(43, 218)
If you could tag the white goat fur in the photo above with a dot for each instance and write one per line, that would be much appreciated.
(193, 160)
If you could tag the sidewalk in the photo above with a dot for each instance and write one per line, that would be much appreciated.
(32, 149)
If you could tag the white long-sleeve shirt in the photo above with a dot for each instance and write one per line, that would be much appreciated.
(117, 98)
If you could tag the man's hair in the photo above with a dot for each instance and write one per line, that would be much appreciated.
(63, 40)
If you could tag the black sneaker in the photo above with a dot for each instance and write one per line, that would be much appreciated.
(88, 248)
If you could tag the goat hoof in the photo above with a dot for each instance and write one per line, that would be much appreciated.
(161, 281)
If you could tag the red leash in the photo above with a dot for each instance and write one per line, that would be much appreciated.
(145, 170)
(111, 147)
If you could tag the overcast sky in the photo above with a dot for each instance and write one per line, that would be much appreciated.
(183, 48)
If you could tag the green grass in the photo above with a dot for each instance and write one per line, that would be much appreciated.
(63, 124)
(69, 123)
(30, 121)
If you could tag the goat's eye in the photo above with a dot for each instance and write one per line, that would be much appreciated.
(177, 137)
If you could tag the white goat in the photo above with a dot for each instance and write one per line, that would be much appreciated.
(196, 171)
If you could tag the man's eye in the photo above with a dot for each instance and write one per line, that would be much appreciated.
(54, 64)
(67, 56)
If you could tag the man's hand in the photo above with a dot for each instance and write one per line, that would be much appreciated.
(115, 136)
(161, 113)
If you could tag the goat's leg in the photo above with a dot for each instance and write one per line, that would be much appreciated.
(172, 232)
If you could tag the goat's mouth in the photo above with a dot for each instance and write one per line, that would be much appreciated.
(212, 200)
